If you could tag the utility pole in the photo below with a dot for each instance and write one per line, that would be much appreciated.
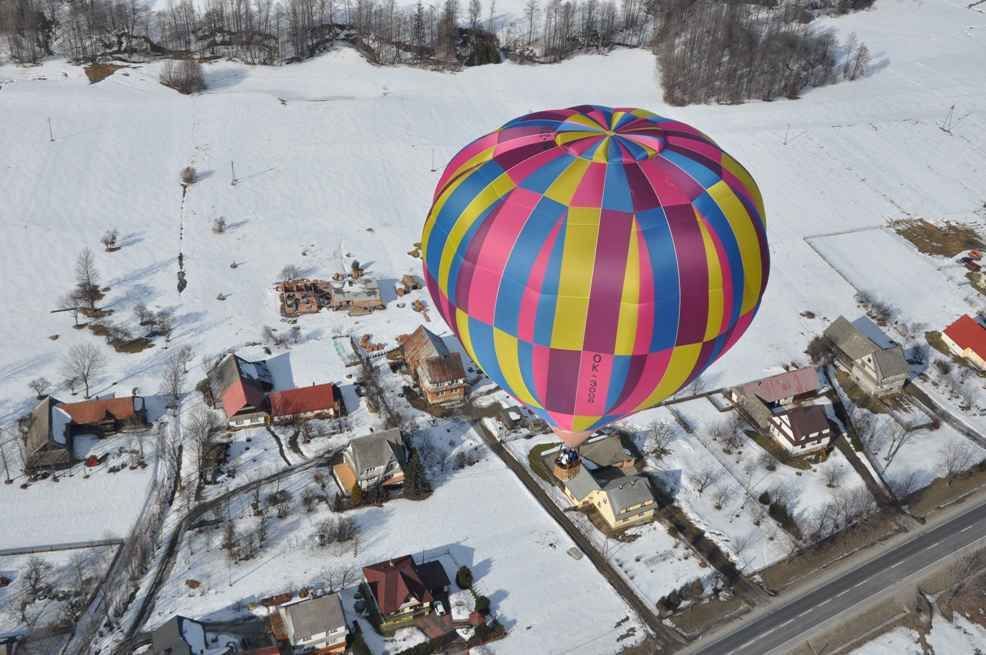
(3, 457)
(432, 159)
(232, 170)
(51, 131)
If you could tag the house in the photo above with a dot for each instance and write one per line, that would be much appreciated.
(599, 480)
(52, 425)
(438, 372)
(373, 460)
(622, 500)
(802, 429)
(359, 295)
(878, 371)
(179, 636)
(400, 587)
(784, 388)
(967, 339)
(412, 282)
(316, 401)
(240, 387)
(315, 624)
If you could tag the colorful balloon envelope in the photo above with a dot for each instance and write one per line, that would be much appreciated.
(595, 260)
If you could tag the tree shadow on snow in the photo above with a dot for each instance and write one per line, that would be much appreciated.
(217, 80)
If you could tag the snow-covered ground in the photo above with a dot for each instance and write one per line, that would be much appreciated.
(960, 636)
(479, 515)
(61, 574)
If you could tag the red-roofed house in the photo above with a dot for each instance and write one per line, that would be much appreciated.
(241, 387)
(785, 388)
(967, 339)
(402, 588)
(316, 401)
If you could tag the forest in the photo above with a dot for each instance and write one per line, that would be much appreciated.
(707, 50)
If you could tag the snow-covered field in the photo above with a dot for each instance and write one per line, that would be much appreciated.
(480, 515)
(960, 636)
(333, 159)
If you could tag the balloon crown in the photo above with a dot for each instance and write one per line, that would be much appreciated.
(614, 136)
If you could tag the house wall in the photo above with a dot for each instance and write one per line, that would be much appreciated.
(252, 419)
(782, 434)
(965, 353)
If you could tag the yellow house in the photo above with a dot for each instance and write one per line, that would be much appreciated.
(622, 500)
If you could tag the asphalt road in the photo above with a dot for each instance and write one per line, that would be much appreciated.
(794, 619)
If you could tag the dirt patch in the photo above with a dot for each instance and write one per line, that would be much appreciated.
(977, 281)
(942, 491)
(775, 449)
(534, 459)
(944, 240)
(703, 616)
(859, 397)
(99, 72)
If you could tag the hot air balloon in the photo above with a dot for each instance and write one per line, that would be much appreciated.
(593, 260)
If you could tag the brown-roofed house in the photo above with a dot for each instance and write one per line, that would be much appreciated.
(805, 427)
(400, 587)
(438, 372)
(50, 429)
(316, 401)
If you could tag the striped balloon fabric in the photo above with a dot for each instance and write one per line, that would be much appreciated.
(594, 260)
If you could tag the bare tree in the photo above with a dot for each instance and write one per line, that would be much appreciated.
(905, 483)
(956, 457)
(34, 580)
(109, 239)
(165, 320)
(704, 477)
(83, 362)
(290, 272)
(173, 377)
(185, 76)
(767, 461)
(721, 494)
(87, 278)
(39, 386)
(72, 302)
(659, 437)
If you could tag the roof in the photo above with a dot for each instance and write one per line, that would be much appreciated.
(849, 339)
(890, 362)
(784, 385)
(237, 383)
(316, 398)
(433, 575)
(91, 412)
(345, 475)
(445, 368)
(627, 491)
(306, 618)
(45, 442)
(179, 636)
(377, 449)
(582, 484)
(394, 582)
(421, 345)
(607, 450)
(806, 420)
(967, 333)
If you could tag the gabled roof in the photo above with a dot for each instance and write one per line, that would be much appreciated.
(849, 339)
(306, 618)
(607, 450)
(423, 344)
(377, 449)
(91, 412)
(178, 636)
(237, 383)
(444, 368)
(316, 398)
(627, 491)
(806, 420)
(967, 333)
(890, 362)
(394, 582)
(784, 385)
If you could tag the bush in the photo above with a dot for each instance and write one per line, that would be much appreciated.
(482, 604)
(764, 498)
(463, 577)
(219, 225)
(184, 77)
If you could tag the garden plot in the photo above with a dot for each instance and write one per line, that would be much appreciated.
(480, 514)
(735, 481)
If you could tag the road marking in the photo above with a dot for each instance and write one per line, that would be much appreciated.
(966, 528)
(893, 566)
(935, 544)
(861, 582)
